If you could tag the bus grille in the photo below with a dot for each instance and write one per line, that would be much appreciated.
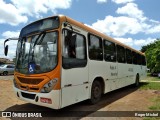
(29, 96)
(30, 81)
(29, 88)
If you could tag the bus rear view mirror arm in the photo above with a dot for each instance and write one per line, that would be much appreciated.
(66, 24)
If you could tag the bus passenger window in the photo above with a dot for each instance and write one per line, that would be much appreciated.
(109, 51)
(95, 48)
(129, 56)
(74, 50)
(135, 58)
(143, 60)
(120, 54)
(72, 47)
(139, 61)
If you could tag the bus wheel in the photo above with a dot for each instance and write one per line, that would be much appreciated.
(137, 81)
(96, 92)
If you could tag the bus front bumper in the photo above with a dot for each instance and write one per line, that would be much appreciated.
(50, 100)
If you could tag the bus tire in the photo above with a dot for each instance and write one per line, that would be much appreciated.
(137, 80)
(96, 92)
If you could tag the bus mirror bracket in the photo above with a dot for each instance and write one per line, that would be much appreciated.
(69, 25)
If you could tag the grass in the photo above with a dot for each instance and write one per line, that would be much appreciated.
(154, 79)
(150, 78)
(152, 84)
(156, 105)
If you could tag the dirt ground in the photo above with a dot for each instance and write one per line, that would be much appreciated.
(125, 99)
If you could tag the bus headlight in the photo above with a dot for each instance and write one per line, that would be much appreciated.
(49, 86)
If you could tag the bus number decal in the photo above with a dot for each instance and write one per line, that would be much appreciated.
(130, 69)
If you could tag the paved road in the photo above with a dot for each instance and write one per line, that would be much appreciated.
(8, 77)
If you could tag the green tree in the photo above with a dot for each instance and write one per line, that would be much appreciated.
(151, 45)
(152, 52)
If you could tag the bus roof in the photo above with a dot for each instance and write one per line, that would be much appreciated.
(90, 30)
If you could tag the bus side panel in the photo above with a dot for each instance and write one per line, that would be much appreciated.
(130, 74)
(75, 85)
(122, 74)
(111, 73)
(106, 70)
(144, 72)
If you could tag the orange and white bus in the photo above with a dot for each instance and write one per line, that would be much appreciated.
(60, 61)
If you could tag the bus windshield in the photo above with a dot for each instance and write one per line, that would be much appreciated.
(37, 48)
(37, 53)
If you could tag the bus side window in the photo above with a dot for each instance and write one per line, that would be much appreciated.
(109, 51)
(121, 54)
(95, 47)
(135, 57)
(72, 47)
(67, 37)
(139, 61)
(128, 56)
(143, 60)
(74, 50)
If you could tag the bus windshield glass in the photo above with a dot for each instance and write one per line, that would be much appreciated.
(37, 53)
(37, 57)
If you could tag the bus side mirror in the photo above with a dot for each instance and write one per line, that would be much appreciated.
(6, 46)
(6, 50)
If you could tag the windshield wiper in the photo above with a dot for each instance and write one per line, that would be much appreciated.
(43, 33)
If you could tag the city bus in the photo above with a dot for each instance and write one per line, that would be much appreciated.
(60, 62)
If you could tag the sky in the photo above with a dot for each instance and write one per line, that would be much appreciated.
(132, 22)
